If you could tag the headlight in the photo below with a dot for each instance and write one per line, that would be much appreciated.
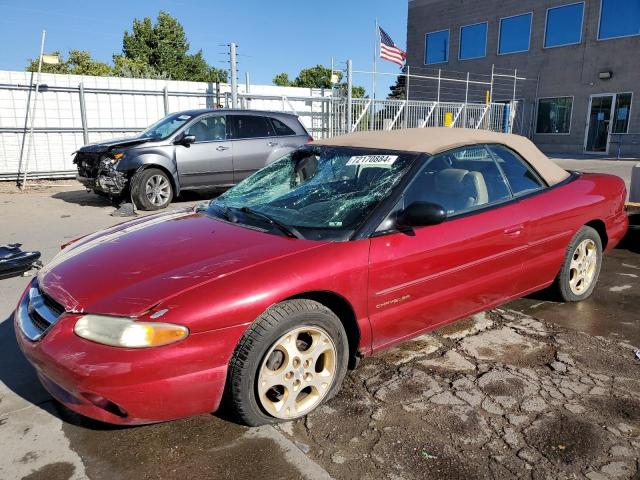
(125, 332)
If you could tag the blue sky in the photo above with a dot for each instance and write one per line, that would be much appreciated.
(273, 36)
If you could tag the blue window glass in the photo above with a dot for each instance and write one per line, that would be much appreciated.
(473, 41)
(515, 33)
(436, 47)
(564, 25)
(619, 18)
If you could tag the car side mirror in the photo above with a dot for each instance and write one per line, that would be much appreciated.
(421, 214)
(185, 140)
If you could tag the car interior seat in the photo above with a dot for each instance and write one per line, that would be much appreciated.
(459, 189)
(369, 176)
(200, 131)
(219, 131)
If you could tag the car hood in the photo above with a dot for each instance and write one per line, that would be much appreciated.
(110, 144)
(128, 269)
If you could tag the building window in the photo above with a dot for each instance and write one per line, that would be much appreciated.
(515, 34)
(619, 18)
(564, 25)
(436, 47)
(473, 41)
(554, 115)
(621, 113)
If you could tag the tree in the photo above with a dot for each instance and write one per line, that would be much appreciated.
(162, 49)
(282, 80)
(399, 90)
(317, 77)
(78, 62)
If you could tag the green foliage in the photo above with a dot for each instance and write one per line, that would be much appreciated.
(282, 80)
(159, 51)
(317, 77)
(163, 49)
(312, 77)
(398, 91)
(78, 62)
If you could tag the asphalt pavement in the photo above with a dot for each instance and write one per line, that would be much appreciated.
(536, 389)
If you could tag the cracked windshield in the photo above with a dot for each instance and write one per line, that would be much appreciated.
(319, 187)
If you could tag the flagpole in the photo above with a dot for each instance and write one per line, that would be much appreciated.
(376, 37)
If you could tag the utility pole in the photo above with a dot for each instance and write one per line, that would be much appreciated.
(234, 75)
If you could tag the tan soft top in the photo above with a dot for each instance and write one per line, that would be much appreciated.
(439, 139)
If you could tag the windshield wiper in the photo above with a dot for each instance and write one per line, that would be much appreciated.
(286, 229)
(226, 212)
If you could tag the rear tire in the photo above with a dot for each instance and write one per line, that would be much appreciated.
(581, 266)
(290, 361)
(151, 189)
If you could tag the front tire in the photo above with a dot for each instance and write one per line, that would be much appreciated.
(151, 189)
(581, 267)
(291, 360)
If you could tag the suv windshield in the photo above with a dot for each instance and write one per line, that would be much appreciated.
(165, 127)
(318, 190)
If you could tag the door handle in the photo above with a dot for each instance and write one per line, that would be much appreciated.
(222, 148)
(514, 231)
(272, 144)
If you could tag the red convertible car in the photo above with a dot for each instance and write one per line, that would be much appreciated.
(338, 250)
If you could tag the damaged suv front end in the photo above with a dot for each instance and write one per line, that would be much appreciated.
(102, 169)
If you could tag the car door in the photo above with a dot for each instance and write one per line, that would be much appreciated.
(254, 141)
(431, 275)
(548, 231)
(208, 161)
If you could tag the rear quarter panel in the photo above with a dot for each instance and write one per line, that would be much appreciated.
(558, 213)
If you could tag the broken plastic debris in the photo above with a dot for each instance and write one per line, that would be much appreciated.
(14, 262)
(638, 354)
(125, 210)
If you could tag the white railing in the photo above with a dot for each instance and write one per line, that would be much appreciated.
(395, 114)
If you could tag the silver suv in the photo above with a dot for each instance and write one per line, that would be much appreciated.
(190, 150)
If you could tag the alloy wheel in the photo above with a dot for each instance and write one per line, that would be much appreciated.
(158, 190)
(297, 372)
(582, 269)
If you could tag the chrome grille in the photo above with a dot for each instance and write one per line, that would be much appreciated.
(37, 313)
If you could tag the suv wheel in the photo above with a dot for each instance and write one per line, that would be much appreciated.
(291, 360)
(151, 189)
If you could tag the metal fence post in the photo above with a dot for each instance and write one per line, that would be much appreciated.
(349, 95)
(83, 114)
(439, 79)
(406, 97)
(466, 101)
(165, 97)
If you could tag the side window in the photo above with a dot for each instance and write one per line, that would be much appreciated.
(251, 126)
(281, 130)
(519, 174)
(209, 129)
(461, 180)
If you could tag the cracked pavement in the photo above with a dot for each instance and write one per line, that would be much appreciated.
(536, 390)
(499, 395)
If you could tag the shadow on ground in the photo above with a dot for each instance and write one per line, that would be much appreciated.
(90, 199)
(15, 371)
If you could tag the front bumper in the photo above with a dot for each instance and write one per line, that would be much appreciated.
(110, 181)
(129, 386)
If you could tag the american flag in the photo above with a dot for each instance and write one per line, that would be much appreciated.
(389, 50)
